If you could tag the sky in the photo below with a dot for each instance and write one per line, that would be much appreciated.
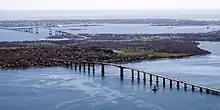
(104, 9)
(107, 4)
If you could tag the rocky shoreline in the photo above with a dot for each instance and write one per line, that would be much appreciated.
(39, 54)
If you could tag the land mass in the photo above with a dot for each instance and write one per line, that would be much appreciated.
(96, 22)
(40, 53)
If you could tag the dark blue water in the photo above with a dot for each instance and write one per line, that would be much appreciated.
(60, 88)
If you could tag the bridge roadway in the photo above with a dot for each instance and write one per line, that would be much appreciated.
(36, 30)
(61, 32)
(201, 88)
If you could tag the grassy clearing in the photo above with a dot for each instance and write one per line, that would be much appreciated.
(147, 53)
(39, 43)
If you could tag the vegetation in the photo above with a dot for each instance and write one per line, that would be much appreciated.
(39, 54)
(149, 53)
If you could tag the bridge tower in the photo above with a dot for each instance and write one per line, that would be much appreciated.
(50, 32)
(57, 33)
(37, 30)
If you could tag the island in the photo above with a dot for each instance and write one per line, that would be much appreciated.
(28, 54)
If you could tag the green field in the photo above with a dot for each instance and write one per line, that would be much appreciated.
(147, 53)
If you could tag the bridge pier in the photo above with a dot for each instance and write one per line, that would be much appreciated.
(31, 30)
(121, 72)
(75, 65)
(37, 30)
(71, 65)
(207, 91)
(200, 89)
(89, 67)
(50, 32)
(84, 67)
(138, 75)
(93, 68)
(151, 80)
(66, 64)
(157, 80)
(80, 66)
(164, 82)
(132, 74)
(56, 33)
(193, 88)
(185, 86)
(171, 83)
(144, 78)
(103, 70)
(178, 85)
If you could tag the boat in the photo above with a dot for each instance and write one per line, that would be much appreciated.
(155, 89)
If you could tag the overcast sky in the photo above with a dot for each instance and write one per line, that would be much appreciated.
(108, 4)
(105, 9)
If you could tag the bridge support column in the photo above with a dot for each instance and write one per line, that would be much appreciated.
(50, 32)
(144, 78)
(151, 78)
(200, 89)
(89, 67)
(103, 70)
(207, 91)
(138, 75)
(71, 65)
(157, 80)
(132, 74)
(66, 64)
(178, 85)
(31, 30)
(193, 88)
(121, 72)
(171, 83)
(93, 68)
(185, 86)
(84, 66)
(164, 82)
(37, 30)
(56, 33)
(75, 66)
(80, 66)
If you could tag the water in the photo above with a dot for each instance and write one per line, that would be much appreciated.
(60, 88)
(7, 35)
(202, 70)
(142, 28)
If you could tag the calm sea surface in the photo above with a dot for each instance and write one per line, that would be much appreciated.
(59, 88)
(6, 35)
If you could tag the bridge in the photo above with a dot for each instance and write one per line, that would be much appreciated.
(91, 65)
(23, 29)
(51, 31)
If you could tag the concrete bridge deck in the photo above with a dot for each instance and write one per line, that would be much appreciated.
(36, 30)
(186, 84)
